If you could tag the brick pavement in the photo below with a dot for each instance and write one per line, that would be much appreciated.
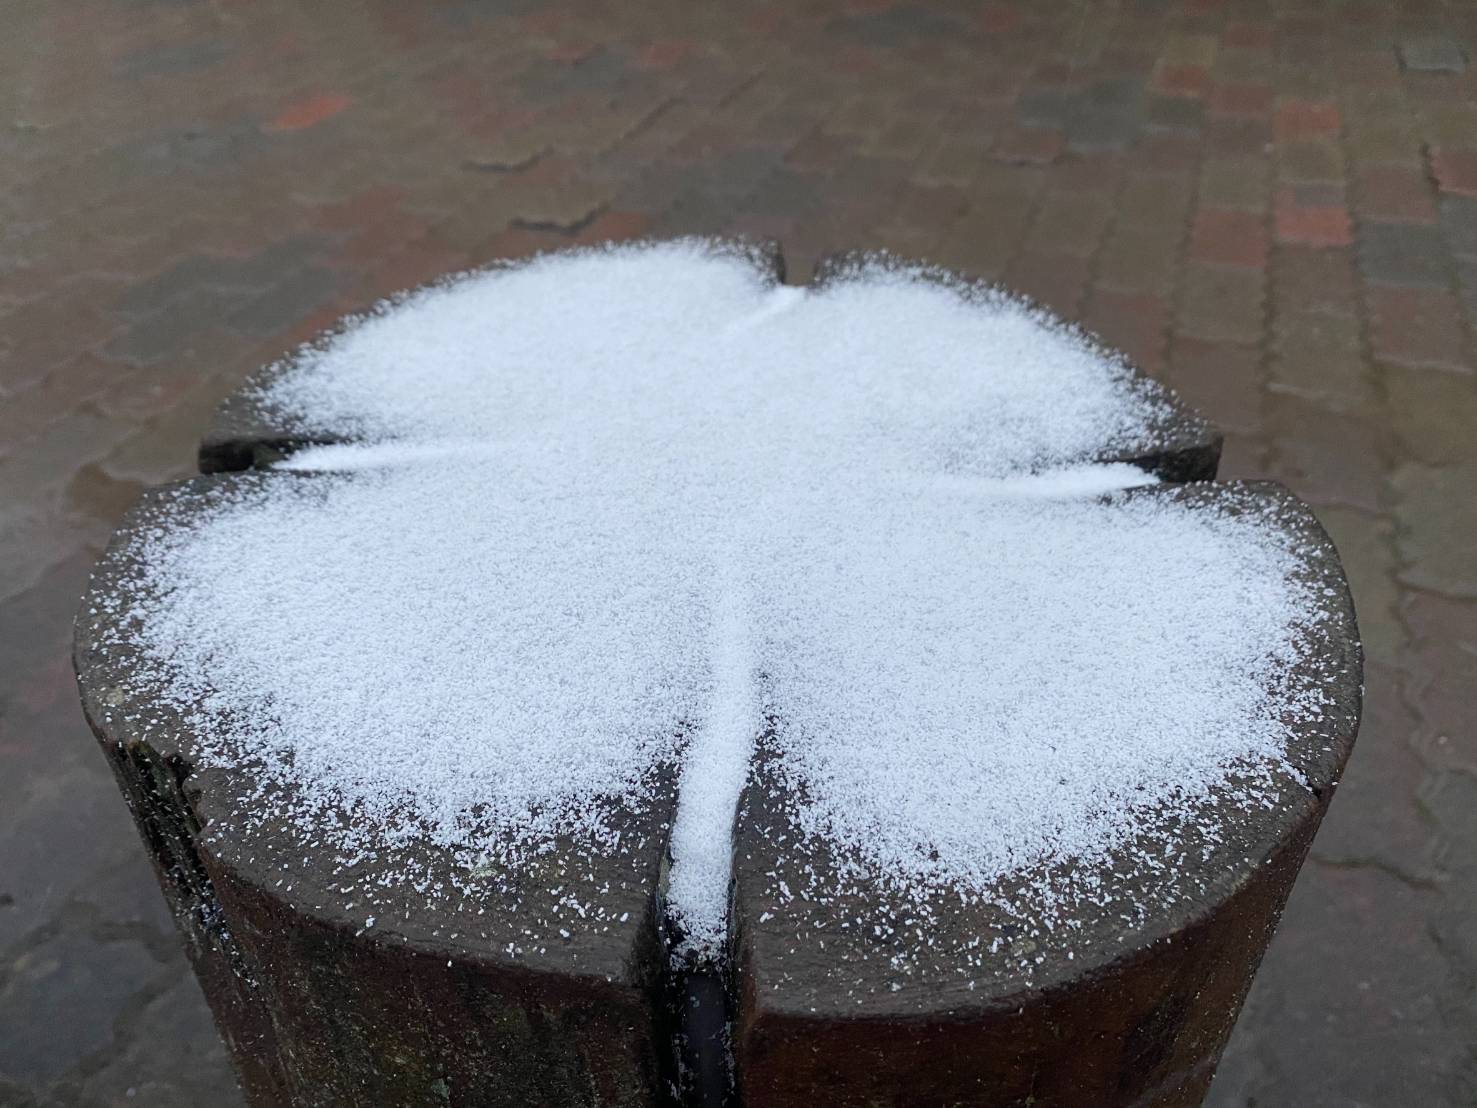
(1272, 205)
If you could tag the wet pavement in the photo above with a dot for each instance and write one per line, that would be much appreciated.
(1273, 206)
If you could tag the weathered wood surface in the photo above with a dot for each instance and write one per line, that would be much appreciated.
(1129, 1001)
(427, 1007)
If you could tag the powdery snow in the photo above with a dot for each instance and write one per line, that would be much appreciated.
(617, 510)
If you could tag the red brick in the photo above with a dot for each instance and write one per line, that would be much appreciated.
(1305, 119)
(1311, 224)
(310, 112)
(1456, 170)
(1225, 236)
(1416, 327)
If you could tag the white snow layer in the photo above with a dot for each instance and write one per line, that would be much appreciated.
(619, 509)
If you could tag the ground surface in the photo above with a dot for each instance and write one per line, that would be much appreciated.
(1273, 206)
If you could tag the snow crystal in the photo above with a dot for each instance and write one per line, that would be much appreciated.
(613, 513)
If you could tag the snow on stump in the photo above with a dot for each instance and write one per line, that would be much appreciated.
(622, 678)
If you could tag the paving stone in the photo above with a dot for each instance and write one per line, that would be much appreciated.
(64, 1000)
(1135, 323)
(1055, 280)
(1297, 120)
(1241, 98)
(1235, 183)
(1448, 123)
(1069, 223)
(1456, 170)
(1437, 514)
(1319, 356)
(1331, 457)
(1310, 217)
(1417, 326)
(1311, 160)
(1402, 254)
(1432, 412)
(1029, 145)
(1155, 198)
(1220, 304)
(1381, 1010)
(1393, 140)
(1431, 55)
(1306, 279)
(1227, 236)
(1394, 192)
(1439, 668)
(1459, 224)
(173, 1043)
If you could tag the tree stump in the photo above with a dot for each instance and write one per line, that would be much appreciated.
(550, 979)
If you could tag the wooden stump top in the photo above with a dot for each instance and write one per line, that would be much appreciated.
(551, 981)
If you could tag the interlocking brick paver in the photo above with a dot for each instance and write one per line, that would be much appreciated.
(1417, 326)
(1273, 206)
(1227, 236)
(1029, 145)
(1456, 170)
(1438, 517)
(1220, 304)
(1069, 223)
(1432, 413)
(1311, 217)
(1223, 380)
(1402, 254)
(1140, 257)
(1235, 182)
(1306, 278)
(1319, 355)
(1136, 323)
(1430, 54)
(1241, 98)
(1297, 120)
(1334, 456)
(1311, 159)
(1393, 192)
